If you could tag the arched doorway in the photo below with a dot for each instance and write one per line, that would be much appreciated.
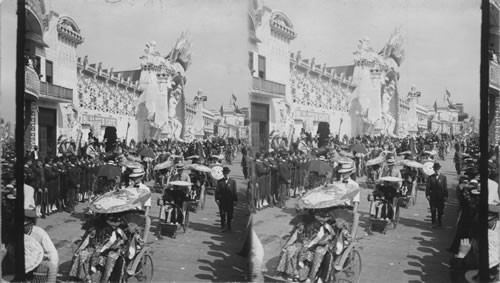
(110, 137)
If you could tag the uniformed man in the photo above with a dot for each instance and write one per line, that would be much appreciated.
(267, 184)
(261, 171)
(284, 179)
(273, 164)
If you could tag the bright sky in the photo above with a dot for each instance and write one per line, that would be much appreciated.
(442, 40)
(442, 47)
(116, 34)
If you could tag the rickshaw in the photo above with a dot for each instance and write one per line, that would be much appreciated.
(199, 193)
(427, 159)
(342, 260)
(373, 166)
(410, 194)
(214, 161)
(123, 256)
(383, 211)
(174, 201)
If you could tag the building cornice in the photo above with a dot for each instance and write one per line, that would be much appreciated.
(70, 35)
(282, 30)
(96, 71)
(282, 25)
(319, 70)
(67, 29)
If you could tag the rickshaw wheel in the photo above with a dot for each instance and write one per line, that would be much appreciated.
(203, 196)
(145, 270)
(186, 221)
(396, 213)
(352, 268)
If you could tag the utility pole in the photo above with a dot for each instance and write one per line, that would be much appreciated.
(19, 136)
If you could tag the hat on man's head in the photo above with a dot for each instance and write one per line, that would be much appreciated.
(436, 165)
(226, 170)
(137, 172)
(390, 161)
(30, 213)
(179, 166)
(346, 168)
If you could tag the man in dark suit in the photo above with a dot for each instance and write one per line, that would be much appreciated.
(437, 194)
(226, 198)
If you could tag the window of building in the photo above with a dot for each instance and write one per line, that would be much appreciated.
(262, 67)
(49, 71)
(36, 64)
(250, 61)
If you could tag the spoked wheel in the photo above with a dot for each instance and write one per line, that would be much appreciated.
(145, 270)
(352, 269)
(203, 195)
(186, 221)
(396, 214)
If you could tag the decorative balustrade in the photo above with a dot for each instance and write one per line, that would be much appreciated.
(31, 81)
(268, 87)
(54, 91)
(494, 75)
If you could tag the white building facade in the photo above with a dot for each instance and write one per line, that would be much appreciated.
(320, 94)
(51, 45)
(106, 99)
(270, 34)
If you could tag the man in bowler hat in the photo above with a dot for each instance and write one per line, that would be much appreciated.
(437, 194)
(226, 198)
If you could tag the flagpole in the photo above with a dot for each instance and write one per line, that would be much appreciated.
(126, 135)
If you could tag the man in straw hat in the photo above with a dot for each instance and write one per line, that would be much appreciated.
(136, 178)
(437, 194)
(181, 176)
(51, 257)
(181, 193)
(226, 197)
(389, 171)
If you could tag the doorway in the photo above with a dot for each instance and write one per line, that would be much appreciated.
(260, 127)
(47, 132)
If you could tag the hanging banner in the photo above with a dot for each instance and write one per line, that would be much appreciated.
(94, 119)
